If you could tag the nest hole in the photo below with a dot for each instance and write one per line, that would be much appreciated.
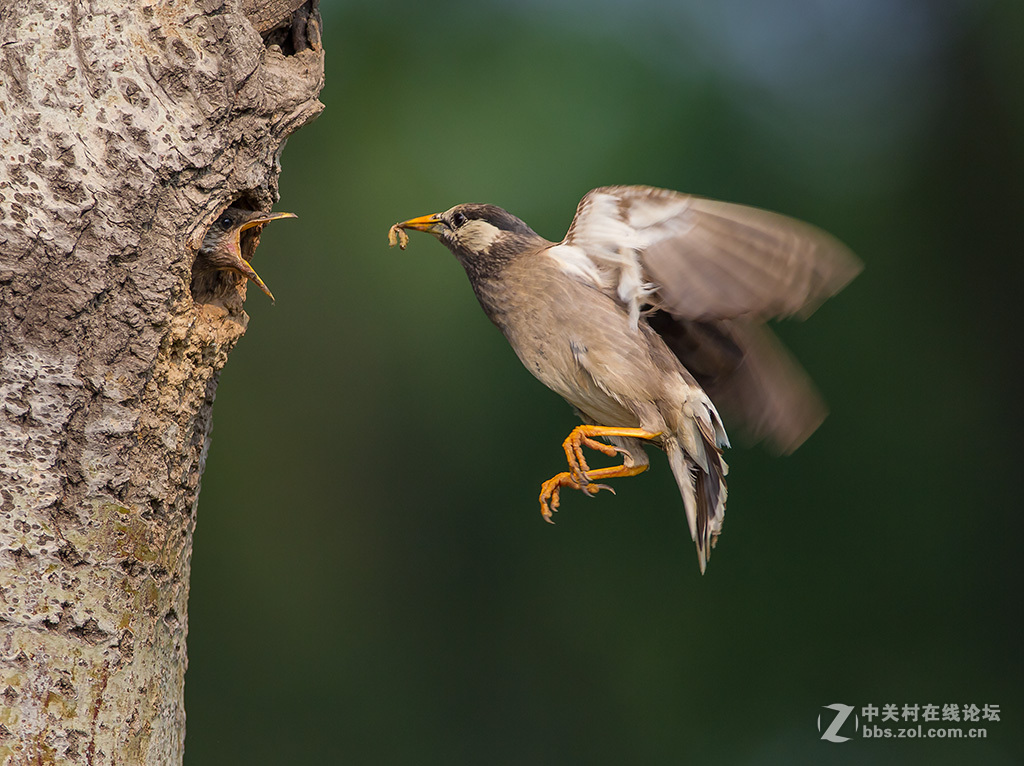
(297, 31)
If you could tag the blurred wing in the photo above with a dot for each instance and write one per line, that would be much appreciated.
(753, 380)
(701, 259)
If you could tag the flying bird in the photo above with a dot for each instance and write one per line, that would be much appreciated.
(649, 319)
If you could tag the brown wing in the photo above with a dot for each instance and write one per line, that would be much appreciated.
(715, 272)
(711, 260)
(750, 376)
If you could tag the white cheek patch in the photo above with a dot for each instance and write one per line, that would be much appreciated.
(477, 235)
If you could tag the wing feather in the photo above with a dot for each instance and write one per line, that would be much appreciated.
(702, 259)
(753, 380)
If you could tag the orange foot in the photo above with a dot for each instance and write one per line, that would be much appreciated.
(579, 476)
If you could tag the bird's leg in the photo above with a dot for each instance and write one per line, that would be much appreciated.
(549, 490)
(580, 475)
(584, 436)
(573, 446)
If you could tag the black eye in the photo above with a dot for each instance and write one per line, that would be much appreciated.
(225, 222)
(458, 219)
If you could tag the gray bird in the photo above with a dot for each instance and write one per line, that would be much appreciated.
(648, 318)
(228, 245)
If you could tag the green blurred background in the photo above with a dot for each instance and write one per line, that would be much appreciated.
(372, 582)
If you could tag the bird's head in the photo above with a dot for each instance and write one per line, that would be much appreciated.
(475, 233)
(230, 241)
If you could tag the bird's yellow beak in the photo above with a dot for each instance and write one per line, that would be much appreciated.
(264, 219)
(431, 224)
(428, 223)
(243, 267)
(249, 273)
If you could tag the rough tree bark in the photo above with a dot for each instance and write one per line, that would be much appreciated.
(125, 128)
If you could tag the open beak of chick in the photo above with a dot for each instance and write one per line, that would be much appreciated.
(223, 246)
(243, 266)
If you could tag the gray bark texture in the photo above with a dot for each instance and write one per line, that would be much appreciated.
(125, 128)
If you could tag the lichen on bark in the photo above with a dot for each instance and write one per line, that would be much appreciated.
(125, 128)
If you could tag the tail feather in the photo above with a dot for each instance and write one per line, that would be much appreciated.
(704, 493)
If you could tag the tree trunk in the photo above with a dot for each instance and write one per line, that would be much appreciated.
(125, 128)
